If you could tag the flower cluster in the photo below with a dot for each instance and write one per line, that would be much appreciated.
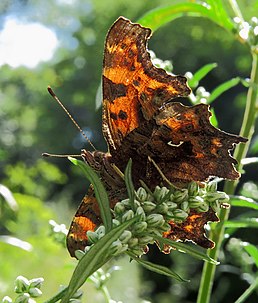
(26, 290)
(154, 211)
(248, 31)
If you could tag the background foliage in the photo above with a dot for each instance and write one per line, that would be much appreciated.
(31, 123)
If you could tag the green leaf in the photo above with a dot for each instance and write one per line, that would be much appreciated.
(242, 201)
(222, 88)
(99, 191)
(200, 74)
(253, 286)
(162, 15)
(220, 14)
(250, 160)
(252, 251)
(95, 258)
(129, 182)
(158, 268)
(242, 223)
(186, 248)
(213, 118)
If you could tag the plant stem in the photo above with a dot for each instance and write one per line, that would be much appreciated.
(248, 292)
(58, 296)
(236, 9)
(217, 231)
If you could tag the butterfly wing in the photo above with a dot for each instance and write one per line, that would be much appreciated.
(86, 218)
(133, 88)
(192, 229)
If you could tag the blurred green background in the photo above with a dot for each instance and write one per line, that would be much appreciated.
(32, 123)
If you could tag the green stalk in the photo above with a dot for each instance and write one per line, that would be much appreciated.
(217, 231)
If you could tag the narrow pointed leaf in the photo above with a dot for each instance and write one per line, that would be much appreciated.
(162, 15)
(250, 160)
(248, 292)
(200, 74)
(252, 251)
(222, 88)
(129, 182)
(243, 223)
(189, 249)
(99, 191)
(96, 257)
(213, 118)
(241, 201)
(158, 268)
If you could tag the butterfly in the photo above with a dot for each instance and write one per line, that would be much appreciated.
(143, 121)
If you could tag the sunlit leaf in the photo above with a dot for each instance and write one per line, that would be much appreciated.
(8, 196)
(16, 242)
(222, 88)
(158, 268)
(96, 257)
(220, 14)
(162, 15)
(99, 191)
(243, 223)
(251, 160)
(253, 286)
(213, 118)
(242, 201)
(252, 251)
(200, 74)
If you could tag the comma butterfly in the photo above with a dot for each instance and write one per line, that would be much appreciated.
(142, 119)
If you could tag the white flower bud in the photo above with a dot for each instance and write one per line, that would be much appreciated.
(195, 202)
(119, 208)
(140, 212)
(180, 214)
(139, 227)
(35, 292)
(171, 205)
(36, 282)
(203, 207)
(125, 237)
(162, 208)
(92, 236)
(142, 194)
(211, 187)
(154, 220)
(100, 231)
(184, 206)
(7, 299)
(193, 189)
(21, 284)
(180, 195)
(160, 193)
(146, 240)
(128, 215)
(133, 242)
(148, 206)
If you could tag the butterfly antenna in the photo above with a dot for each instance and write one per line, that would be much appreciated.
(70, 116)
(60, 156)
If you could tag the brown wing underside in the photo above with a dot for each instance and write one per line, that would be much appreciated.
(86, 218)
(192, 149)
(192, 229)
(133, 89)
(184, 145)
